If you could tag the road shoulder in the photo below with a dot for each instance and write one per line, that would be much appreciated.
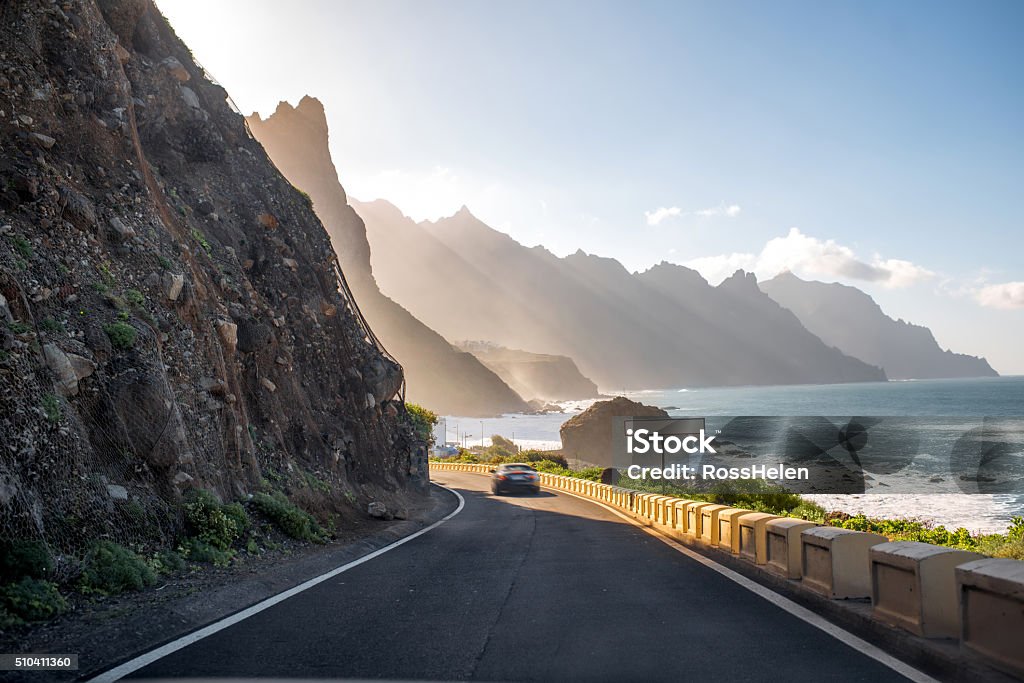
(123, 627)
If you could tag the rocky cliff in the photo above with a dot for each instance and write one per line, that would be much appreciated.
(173, 314)
(850, 320)
(439, 376)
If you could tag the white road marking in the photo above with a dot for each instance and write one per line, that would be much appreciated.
(780, 601)
(143, 660)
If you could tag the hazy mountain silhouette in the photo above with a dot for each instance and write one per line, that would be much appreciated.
(664, 328)
(541, 376)
(438, 375)
(850, 320)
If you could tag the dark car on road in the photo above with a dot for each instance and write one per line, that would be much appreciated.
(514, 477)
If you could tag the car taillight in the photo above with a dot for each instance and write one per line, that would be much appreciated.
(502, 476)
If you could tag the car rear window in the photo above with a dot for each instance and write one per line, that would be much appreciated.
(519, 468)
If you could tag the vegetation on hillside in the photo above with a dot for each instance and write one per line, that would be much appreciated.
(213, 533)
(423, 421)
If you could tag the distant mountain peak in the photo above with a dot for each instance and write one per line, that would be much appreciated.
(741, 280)
(309, 108)
(851, 320)
(311, 104)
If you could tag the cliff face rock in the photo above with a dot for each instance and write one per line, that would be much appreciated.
(171, 313)
(850, 320)
(439, 376)
(536, 376)
(587, 437)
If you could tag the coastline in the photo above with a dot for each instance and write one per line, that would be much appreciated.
(963, 397)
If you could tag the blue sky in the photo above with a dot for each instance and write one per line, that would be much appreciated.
(879, 144)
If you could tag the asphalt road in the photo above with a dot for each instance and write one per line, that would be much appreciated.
(546, 588)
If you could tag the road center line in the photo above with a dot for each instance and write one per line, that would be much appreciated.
(133, 665)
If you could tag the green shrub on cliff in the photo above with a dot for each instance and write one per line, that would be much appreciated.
(287, 517)
(213, 522)
(24, 558)
(31, 600)
(110, 569)
(122, 335)
(198, 550)
(422, 421)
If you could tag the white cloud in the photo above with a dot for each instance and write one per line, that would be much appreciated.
(812, 257)
(902, 273)
(1005, 295)
(661, 213)
(728, 211)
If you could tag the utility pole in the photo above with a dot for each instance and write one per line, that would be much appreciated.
(481, 433)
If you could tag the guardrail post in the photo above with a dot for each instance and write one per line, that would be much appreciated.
(753, 544)
(783, 547)
(914, 586)
(835, 561)
(991, 593)
(729, 528)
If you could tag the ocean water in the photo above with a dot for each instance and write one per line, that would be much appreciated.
(982, 397)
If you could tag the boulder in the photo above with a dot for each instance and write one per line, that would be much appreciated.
(117, 492)
(82, 365)
(378, 510)
(588, 436)
(60, 365)
(5, 311)
(384, 379)
(44, 141)
(173, 283)
(228, 332)
(144, 405)
(77, 209)
(121, 229)
(190, 97)
(176, 69)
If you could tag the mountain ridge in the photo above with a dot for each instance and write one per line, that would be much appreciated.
(590, 308)
(851, 320)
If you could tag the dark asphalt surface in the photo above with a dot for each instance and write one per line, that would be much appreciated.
(546, 588)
